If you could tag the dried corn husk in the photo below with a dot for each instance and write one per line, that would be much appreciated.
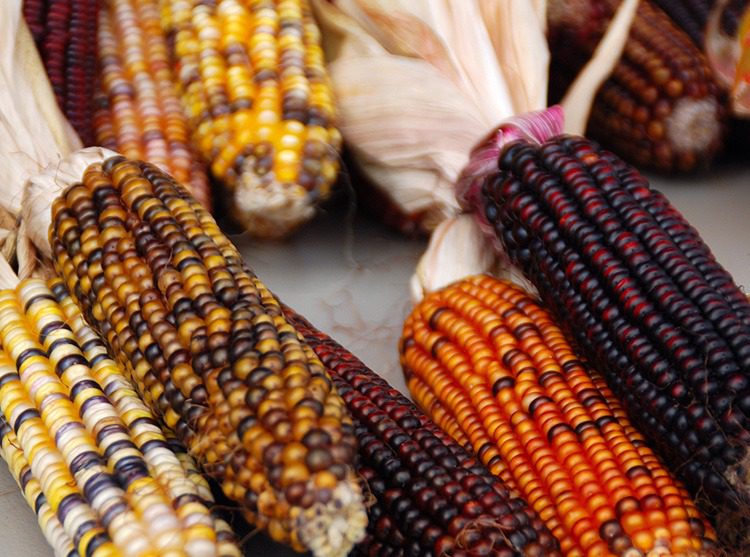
(419, 83)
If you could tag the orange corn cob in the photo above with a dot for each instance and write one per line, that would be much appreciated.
(490, 366)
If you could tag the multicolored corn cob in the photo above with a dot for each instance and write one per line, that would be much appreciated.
(661, 106)
(87, 453)
(493, 369)
(633, 284)
(138, 109)
(430, 496)
(211, 352)
(65, 34)
(254, 85)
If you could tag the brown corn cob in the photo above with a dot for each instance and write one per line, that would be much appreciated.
(499, 369)
(661, 106)
(138, 108)
(431, 497)
(65, 34)
(210, 351)
(635, 287)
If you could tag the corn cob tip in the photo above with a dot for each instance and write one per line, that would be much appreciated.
(694, 126)
(333, 528)
(271, 209)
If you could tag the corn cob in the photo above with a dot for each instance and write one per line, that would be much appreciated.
(431, 497)
(692, 16)
(499, 370)
(253, 82)
(53, 531)
(643, 297)
(138, 109)
(210, 351)
(65, 34)
(660, 107)
(83, 442)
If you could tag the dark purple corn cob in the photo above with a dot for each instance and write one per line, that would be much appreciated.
(430, 497)
(635, 287)
(692, 16)
(65, 34)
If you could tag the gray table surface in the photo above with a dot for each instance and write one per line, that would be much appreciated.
(349, 277)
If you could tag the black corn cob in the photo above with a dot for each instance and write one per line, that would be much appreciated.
(661, 107)
(429, 495)
(633, 284)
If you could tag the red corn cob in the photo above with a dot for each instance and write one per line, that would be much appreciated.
(65, 34)
(431, 497)
(660, 107)
(645, 300)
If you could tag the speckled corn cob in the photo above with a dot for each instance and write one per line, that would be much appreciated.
(498, 370)
(255, 88)
(431, 497)
(660, 108)
(211, 352)
(65, 34)
(645, 300)
(99, 458)
(138, 109)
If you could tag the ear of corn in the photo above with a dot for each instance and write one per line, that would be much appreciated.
(253, 82)
(138, 109)
(645, 300)
(430, 496)
(65, 34)
(492, 362)
(210, 351)
(660, 108)
(87, 453)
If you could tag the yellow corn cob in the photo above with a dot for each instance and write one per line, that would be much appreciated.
(253, 82)
(211, 352)
(139, 112)
(484, 359)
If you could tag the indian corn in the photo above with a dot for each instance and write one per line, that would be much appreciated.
(660, 108)
(252, 79)
(430, 496)
(211, 352)
(635, 287)
(87, 453)
(492, 369)
(65, 34)
(138, 109)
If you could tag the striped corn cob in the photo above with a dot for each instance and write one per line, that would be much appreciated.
(660, 108)
(430, 496)
(65, 34)
(138, 109)
(210, 351)
(254, 85)
(645, 300)
(87, 453)
(490, 366)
